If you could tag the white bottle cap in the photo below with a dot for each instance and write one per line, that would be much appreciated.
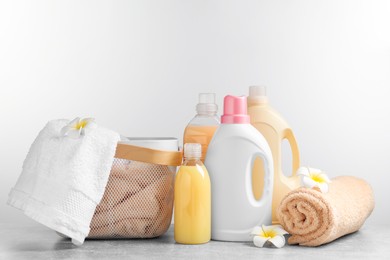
(206, 104)
(255, 91)
(258, 93)
(192, 150)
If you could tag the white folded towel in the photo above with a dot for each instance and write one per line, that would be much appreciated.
(63, 179)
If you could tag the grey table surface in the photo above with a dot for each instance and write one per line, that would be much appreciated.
(39, 242)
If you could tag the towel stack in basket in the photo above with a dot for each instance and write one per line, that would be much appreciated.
(138, 199)
(137, 202)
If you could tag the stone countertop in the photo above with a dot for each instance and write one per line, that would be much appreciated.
(39, 242)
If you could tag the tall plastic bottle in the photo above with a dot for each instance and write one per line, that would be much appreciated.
(202, 127)
(275, 129)
(192, 199)
(230, 157)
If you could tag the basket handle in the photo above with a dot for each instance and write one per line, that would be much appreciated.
(147, 155)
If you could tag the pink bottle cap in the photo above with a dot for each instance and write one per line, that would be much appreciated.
(235, 110)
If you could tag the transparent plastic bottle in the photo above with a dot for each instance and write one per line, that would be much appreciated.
(202, 127)
(192, 199)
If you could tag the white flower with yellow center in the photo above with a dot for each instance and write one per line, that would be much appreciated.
(314, 178)
(273, 235)
(78, 127)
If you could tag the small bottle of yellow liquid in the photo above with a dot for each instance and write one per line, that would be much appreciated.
(192, 199)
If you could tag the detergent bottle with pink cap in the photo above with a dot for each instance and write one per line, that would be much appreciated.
(231, 153)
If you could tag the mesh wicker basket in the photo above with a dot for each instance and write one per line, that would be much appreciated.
(138, 199)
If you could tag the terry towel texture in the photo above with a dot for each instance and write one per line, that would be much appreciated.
(314, 218)
(63, 179)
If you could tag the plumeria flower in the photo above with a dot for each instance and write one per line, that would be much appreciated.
(266, 235)
(314, 178)
(78, 127)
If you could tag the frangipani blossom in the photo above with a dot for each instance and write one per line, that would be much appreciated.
(78, 127)
(314, 178)
(273, 234)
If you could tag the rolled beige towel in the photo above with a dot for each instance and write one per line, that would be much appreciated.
(314, 218)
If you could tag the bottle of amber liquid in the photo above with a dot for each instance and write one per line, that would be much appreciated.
(202, 127)
(192, 219)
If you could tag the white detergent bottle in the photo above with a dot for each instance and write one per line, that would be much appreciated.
(230, 159)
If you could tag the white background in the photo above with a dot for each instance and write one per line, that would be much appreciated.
(137, 67)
